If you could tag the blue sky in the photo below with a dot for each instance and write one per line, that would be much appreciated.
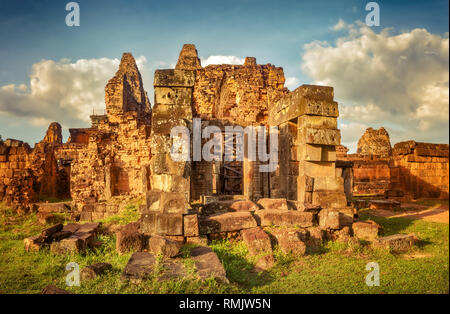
(273, 31)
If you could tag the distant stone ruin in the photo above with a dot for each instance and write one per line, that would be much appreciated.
(409, 170)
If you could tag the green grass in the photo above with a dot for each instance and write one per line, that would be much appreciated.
(337, 268)
(129, 214)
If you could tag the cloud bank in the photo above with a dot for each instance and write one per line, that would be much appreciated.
(221, 60)
(63, 91)
(398, 81)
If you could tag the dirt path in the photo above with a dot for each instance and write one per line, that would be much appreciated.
(438, 213)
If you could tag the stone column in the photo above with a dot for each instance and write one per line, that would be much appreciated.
(307, 117)
(169, 195)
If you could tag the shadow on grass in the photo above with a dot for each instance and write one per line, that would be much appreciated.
(240, 270)
(395, 225)
(390, 225)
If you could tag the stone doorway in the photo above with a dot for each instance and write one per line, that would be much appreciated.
(231, 171)
(120, 181)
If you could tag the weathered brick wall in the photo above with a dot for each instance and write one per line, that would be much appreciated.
(372, 174)
(16, 177)
(411, 170)
(421, 169)
(115, 162)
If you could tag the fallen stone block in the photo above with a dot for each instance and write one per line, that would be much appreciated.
(365, 230)
(161, 246)
(329, 199)
(331, 218)
(67, 246)
(91, 272)
(89, 227)
(58, 236)
(396, 242)
(171, 269)
(200, 240)
(71, 227)
(33, 244)
(161, 223)
(315, 238)
(384, 204)
(140, 266)
(207, 264)
(284, 218)
(76, 243)
(346, 216)
(273, 203)
(51, 289)
(343, 235)
(178, 239)
(257, 241)
(227, 222)
(239, 206)
(85, 216)
(304, 207)
(289, 240)
(46, 218)
(191, 225)
(53, 207)
(48, 232)
(129, 238)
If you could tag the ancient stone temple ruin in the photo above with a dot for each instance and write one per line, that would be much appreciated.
(409, 170)
(126, 154)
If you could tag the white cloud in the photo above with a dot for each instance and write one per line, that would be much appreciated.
(222, 60)
(340, 25)
(292, 82)
(63, 91)
(399, 80)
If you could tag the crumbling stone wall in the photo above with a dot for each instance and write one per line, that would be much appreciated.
(27, 175)
(241, 94)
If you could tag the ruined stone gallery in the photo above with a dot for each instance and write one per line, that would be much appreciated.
(126, 155)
